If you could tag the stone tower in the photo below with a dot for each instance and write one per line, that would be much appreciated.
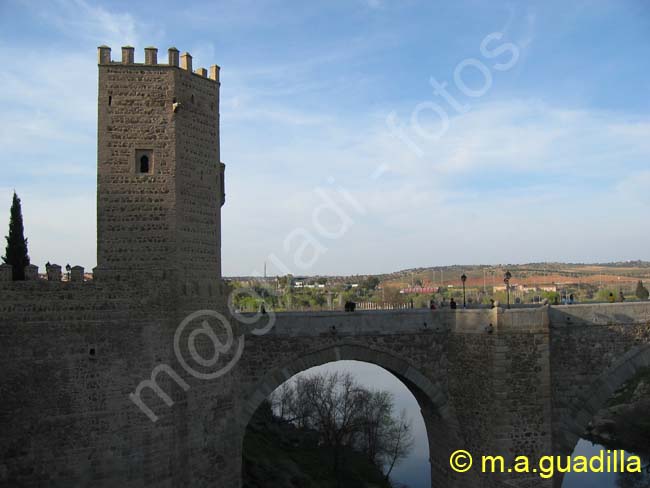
(160, 182)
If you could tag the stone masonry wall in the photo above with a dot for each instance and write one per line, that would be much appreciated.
(136, 212)
(199, 175)
(70, 354)
(169, 217)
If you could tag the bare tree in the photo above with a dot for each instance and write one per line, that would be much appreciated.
(291, 405)
(282, 400)
(335, 403)
(376, 420)
(399, 443)
(344, 414)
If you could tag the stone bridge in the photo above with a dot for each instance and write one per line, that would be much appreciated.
(70, 360)
(529, 387)
(101, 386)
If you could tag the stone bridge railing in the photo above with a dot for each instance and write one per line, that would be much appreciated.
(525, 319)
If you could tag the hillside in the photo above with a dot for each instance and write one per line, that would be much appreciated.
(624, 272)
(619, 273)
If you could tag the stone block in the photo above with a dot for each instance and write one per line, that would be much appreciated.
(128, 56)
(186, 61)
(31, 272)
(77, 274)
(6, 272)
(172, 53)
(150, 56)
(53, 272)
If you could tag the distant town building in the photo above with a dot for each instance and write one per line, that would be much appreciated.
(419, 289)
(551, 288)
(525, 288)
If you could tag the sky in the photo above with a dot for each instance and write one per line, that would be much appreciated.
(360, 136)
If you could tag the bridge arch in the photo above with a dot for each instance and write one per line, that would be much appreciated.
(439, 417)
(419, 384)
(583, 410)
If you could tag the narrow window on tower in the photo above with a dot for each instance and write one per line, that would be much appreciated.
(144, 164)
(144, 161)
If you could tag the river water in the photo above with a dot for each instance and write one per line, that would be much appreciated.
(414, 472)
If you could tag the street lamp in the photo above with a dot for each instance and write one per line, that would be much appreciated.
(463, 278)
(506, 280)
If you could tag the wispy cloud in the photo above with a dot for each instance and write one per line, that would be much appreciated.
(633, 188)
(49, 126)
(528, 135)
(92, 23)
(374, 4)
(521, 161)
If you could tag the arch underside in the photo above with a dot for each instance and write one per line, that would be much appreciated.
(574, 423)
(439, 417)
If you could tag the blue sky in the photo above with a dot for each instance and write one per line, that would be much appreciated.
(341, 158)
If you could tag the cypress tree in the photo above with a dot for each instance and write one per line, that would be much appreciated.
(641, 291)
(16, 251)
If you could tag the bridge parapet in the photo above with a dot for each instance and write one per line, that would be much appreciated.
(472, 321)
(581, 315)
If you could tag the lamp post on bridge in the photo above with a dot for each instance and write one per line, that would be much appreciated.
(463, 278)
(506, 280)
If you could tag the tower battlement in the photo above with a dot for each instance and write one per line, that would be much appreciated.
(183, 61)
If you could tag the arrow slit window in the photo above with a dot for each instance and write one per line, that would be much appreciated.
(144, 161)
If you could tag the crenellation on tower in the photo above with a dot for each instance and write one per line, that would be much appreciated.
(151, 55)
(186, 61)
(214, 72)
(53, 272)
(128, 55)
(31, 272)
(172, 53)
(77, 274)
(174, 59)
(103, 55)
